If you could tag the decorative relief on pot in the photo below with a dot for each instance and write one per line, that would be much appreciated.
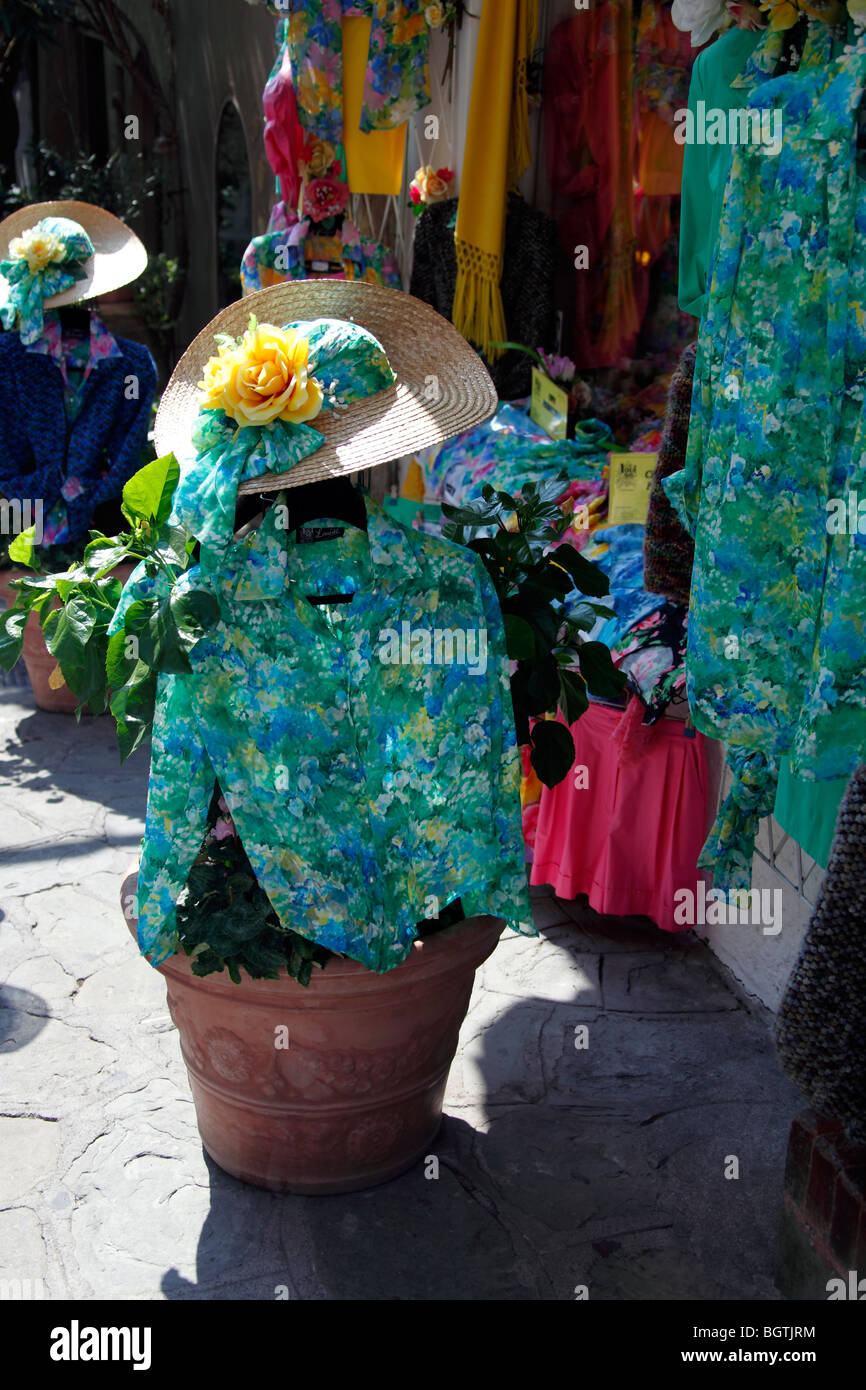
(229, 1055)
(303, 1072)
(374, 1137)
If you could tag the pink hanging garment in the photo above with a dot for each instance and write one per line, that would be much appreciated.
(627, 824)
(284, 137)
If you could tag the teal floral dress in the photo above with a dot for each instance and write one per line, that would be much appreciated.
(777, 625)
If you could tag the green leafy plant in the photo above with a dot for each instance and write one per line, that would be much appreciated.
(76, 607)
(156, 293)
(557, 667)
(225, 919)
(121, 184)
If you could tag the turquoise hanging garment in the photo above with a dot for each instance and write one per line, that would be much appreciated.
(777, 625)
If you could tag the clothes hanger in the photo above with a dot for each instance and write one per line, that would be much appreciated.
(333, 497)
(336, 498)
(75, 318)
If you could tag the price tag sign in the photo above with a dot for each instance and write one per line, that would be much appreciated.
(631, 478)
(549, 405)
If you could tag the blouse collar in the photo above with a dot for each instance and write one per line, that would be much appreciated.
(102, 346)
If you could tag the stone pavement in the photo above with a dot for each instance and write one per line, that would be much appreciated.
(560, 1166)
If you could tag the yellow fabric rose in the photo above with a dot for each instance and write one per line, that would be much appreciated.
(263, 378)
(37, 248)
(435, 15)
(321, 159)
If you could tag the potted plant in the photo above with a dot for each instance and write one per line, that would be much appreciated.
(24, 558)
(23, 561)
(309, 1072)
(546, 590)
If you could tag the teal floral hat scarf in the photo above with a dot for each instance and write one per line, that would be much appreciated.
(44, 261)
(260, 394)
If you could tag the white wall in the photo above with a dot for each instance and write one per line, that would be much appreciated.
(762, 961)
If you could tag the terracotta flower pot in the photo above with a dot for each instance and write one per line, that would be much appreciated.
(37, 658)
(331, 1088)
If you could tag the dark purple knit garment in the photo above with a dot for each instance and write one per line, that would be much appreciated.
(669, 551)
(821, 1025)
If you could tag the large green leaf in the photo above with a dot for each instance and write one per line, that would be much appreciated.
(122, 667)
(68, 631)
(133, 708)
(92, 689)
(588, 578)
(177, 546)
(583, 616)
(21, 548)
(148, 494)
(542, 686)
(194, 612)
(12, 624)
(552, 752)
(103, 555)
(597, 668)
(573, 699)
(519, 637)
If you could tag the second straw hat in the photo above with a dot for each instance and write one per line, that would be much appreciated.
(442, 386)
(119, 256)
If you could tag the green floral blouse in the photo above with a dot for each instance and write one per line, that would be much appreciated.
(370, 767)
(777, 625)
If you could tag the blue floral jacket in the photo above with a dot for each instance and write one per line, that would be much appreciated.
(41, 449)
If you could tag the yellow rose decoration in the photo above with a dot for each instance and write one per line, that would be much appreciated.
(435, 15)
(322, 156)
(37, 248)
(262, 378)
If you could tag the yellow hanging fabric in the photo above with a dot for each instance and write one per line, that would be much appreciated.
(497, 153)
(374, 161)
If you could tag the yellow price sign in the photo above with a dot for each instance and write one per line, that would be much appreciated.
(549, 405)
(631, 478)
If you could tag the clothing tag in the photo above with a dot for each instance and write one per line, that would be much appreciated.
(549, 405)
(309, 535)
(631, 477)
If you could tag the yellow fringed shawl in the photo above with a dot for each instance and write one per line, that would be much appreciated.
(497, 153)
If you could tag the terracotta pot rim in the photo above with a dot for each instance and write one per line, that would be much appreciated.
(341, 977)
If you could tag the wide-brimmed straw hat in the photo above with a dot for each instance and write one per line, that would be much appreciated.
(119, 256)
(442, 386)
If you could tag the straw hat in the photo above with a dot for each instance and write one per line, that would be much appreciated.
(442, 386)
(119, 256)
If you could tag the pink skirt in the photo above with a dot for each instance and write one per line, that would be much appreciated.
(627, 824)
